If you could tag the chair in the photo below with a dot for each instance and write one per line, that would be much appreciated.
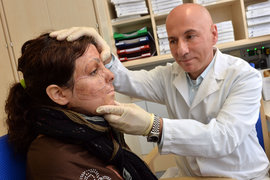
(262, 133)
(11, 167)
(150, 159)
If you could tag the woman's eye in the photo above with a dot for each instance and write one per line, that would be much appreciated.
(172, 41)
(93, 72)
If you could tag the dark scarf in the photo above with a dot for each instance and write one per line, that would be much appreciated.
(94, 134)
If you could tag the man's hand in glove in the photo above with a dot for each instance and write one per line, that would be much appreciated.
(74, 33)
(128, 118)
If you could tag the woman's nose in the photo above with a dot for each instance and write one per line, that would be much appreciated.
(109, 76)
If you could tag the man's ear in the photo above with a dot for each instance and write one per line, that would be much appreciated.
(57, 94)
(215, 33)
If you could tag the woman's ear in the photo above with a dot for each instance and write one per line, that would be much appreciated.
(57, 94)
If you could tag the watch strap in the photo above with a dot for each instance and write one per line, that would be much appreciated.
(153, 136)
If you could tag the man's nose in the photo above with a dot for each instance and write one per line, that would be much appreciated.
(182, 48)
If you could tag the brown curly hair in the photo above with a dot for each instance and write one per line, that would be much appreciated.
(44, 61)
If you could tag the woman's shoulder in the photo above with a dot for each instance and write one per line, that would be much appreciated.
(51, 158)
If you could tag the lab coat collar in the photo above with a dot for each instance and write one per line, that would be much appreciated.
(210, 83)
(208, 86)
(176, 69)
(180, 81)
(220, 65)
(181, 84)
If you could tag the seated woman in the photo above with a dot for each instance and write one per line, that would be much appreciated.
(52, 114)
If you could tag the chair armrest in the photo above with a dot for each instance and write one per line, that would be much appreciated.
(197, 178)
(149, 158)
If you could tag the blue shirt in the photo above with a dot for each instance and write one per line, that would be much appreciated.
(193, 85)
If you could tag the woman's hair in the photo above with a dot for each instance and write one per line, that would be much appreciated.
(44, 61)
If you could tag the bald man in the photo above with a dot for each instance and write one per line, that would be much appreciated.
(213, 102)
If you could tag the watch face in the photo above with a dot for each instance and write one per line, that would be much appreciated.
(152, 139)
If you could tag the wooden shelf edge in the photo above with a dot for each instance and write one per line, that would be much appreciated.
(130, 21)
(220, 3)
(243, 43)
(147, 61)
(160, 16)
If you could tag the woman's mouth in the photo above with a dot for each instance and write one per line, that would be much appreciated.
(110, 91)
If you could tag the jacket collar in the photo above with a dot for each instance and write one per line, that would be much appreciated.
(220, 66)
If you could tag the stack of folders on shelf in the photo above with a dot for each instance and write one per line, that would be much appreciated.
(206, 2)
(258, 19)
(134, 45)
(130, 8)
(163, 39)
(225, 32)
(164, 6)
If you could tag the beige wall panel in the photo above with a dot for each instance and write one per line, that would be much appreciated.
(25, 20)
(69, 13)
(6, 78)
(102, 16)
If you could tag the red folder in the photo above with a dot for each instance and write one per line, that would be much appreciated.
(133, 50)
(136, 57)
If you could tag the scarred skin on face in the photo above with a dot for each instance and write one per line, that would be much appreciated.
(92, 83)
(97, 81)
(191, 35)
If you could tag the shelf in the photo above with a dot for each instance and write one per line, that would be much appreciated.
(131, 21)
(160, 16)
(223, 47)
(148, 61)
(213, 5)
(243, 43)
(221, 3)
(253, 1)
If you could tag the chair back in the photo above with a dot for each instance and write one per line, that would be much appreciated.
(262, 128)
(12, 167)
(262, 131)
(259, 131)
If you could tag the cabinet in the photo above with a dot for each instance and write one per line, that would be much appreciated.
(7, 74)
(22, 20)
(27, 19)
(222, 10)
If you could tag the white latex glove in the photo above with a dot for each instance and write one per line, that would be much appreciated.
(128, 118)
(74, 33)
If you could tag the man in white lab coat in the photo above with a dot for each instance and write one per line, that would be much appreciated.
(213, 101)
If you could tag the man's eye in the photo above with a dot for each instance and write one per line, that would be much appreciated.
(190, 36)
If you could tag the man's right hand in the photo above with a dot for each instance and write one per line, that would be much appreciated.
(128, 118)
(74, 33)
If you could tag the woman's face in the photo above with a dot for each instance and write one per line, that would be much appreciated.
(92, 83)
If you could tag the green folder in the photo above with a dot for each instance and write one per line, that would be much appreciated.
(130, 35)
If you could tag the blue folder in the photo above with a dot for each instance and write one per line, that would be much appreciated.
(124, 44)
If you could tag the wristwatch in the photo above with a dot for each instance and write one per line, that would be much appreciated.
(153, 136)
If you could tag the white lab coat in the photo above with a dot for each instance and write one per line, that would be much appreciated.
(216, 133)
